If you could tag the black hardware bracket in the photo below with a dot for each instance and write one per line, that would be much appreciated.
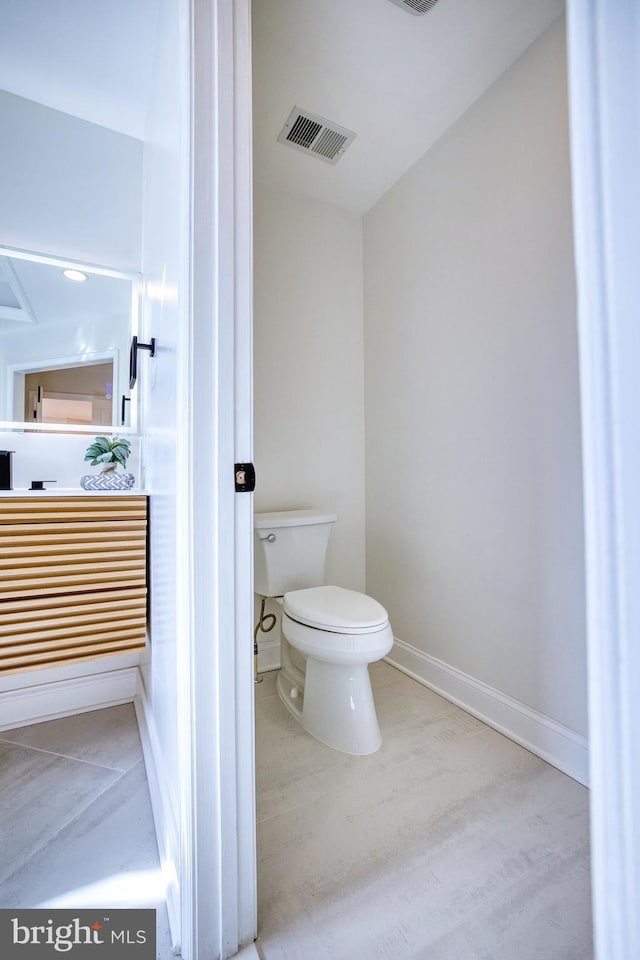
(245, 477)
(133, 357)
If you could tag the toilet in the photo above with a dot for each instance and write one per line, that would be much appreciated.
(329, 634)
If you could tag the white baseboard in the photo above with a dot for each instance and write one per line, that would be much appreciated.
(164, 816)
(63, 698)
(553, 742)
(268, 655)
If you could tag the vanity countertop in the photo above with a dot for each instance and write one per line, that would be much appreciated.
(71, 492)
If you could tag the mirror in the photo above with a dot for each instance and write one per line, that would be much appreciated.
(65, 333)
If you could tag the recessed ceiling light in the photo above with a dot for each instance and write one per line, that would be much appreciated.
(76, 275)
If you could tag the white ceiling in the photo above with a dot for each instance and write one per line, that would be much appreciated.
(52, 299)
(90, 58)
(397, 80)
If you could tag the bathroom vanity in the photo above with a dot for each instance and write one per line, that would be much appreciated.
(73, 577)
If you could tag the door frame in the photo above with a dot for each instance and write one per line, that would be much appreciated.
(218, 823)
(604, 91)
(218, 893)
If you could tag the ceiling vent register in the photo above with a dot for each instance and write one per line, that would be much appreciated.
(314, 135)
(416, 7)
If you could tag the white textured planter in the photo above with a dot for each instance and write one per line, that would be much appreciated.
(108, 481)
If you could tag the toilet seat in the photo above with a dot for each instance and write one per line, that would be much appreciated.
(336, 610)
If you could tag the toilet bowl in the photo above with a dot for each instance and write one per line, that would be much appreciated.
(338, 632)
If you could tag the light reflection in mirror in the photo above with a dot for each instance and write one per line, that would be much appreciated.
(55, 334)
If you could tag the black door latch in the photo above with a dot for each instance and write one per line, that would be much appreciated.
(245, 478)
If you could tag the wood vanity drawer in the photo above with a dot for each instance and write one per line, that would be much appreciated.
(73, 579)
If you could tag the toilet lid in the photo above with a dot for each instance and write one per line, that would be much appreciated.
(336, 609)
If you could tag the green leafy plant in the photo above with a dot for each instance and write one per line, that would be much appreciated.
(109, 451)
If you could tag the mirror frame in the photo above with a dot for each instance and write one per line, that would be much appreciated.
(136, 294)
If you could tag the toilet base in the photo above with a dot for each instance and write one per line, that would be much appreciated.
(338, 707)
(334, 704)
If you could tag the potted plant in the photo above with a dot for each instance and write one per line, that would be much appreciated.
(111, 453)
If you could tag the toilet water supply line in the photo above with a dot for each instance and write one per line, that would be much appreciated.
(261, 626)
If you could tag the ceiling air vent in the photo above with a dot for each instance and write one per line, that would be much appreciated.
(416, 7)
(311, 134)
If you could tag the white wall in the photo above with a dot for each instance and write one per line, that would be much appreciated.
(67, 187)
(308, 373)
(474, 507)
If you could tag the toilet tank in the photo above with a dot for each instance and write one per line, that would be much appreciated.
(290, 550)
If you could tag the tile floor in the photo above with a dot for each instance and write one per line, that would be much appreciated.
(75, 817)
(450, 843)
